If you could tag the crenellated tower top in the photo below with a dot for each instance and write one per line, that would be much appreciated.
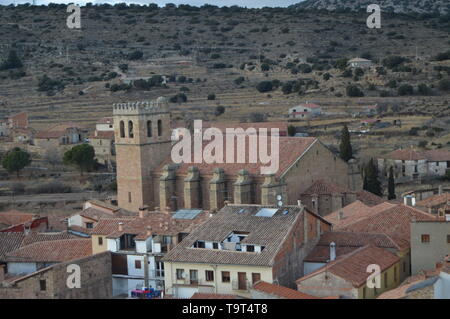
(160, 105)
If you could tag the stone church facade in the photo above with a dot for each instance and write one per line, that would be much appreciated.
(146, 175)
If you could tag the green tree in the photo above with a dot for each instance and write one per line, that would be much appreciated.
(345, 148)
(372, 183)
(15, 160)
(11, 62)
(391, 184)
(81, 156)
(291, 130)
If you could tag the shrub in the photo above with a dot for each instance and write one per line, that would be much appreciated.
(444, 85)
(405, 89)
(135, 55)
(264, 86)
(354, 91)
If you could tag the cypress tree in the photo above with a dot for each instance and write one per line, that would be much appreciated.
(372, 182)
(345, 148)
(391, 184)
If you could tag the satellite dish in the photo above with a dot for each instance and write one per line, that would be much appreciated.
(278, 197)
(280, 203)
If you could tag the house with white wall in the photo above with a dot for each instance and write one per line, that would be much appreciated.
(411, 164)
(138, 245)
(305, 111)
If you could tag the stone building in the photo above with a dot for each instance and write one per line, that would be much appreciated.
(146, 174)
(410, 164)
(51, 282)
(103, 144)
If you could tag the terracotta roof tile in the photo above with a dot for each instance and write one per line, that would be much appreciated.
(158, 223)
(281, 291)
(52, 251)
(353, 266)
(15, 217)
(297, 146)
(369, 198)
(323, 187)
(435, 200)
(353, 213)
(347, 242)
(394, 221)
(269, 232)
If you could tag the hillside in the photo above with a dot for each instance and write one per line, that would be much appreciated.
(397, 6)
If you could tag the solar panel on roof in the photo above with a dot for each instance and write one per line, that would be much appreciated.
(266, 212)
(186, 213)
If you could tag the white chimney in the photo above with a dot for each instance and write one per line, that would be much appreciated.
(440, 190)
(299, 203)
(120, 226)
(332, 251)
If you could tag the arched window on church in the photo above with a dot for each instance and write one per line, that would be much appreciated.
(149, 128)
(122, 129)
(130, 129)
(159, 127)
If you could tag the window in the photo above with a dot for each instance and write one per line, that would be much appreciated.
(448, 239)
(250, 248)
(209, 275)
(122, 129)
(43, 285)
(404, 266)
(215, 245)
(364, 293)
(193, 276)
(180, 274)
(425, 238)
(90, 225)
(137, 264)
(129, 197)
(149, 128)
(256, 277)
(100, 241)
(225, 276)
(159, 127)
(395, 274)
(130, 129)
(385, 280)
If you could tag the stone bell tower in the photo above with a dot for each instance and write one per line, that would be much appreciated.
(143, 140)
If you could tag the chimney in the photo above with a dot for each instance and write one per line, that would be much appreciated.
(167, 210)
(226, 202)
(332, 251)
(440, 190)
(2, 272)
(143, 211)
(156, 209)
(120, 226)
(341, 215)
(299, 203)
(149, 231)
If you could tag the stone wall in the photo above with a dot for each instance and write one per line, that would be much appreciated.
(96, 281)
